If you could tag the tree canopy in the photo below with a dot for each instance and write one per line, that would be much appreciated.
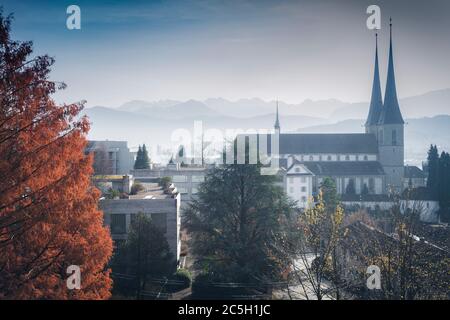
(239, 226)
(48, 208)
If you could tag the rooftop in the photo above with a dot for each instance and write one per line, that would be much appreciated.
(152, 191)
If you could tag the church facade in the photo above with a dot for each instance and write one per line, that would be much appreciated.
(369, 163)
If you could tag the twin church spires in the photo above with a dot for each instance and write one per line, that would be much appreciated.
(389, 112)
(380, 113)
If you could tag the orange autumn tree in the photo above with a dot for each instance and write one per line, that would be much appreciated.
(48, 208)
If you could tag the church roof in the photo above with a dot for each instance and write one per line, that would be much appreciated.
(390, 113)
(304, 143)
(345, 168)
(376, 101)
(323, 143)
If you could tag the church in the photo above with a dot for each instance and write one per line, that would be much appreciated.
(370, 163)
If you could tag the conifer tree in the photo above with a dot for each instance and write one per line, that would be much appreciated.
(49, 217)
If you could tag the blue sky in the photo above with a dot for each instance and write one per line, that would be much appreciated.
(292, 50)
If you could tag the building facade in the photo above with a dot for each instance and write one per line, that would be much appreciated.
(369, 163)
(111, 157)
(164, 210)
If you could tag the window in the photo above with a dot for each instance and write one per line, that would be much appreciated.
(329, 158)
(198, 178)
(366, 157)
(303, 189)
(159, 220)
(182, 190)
(394, 137)
(297, 170)
(320, 157)
(118, 224)
(371, 185)
(303, 158)
(338, 157)
(357, 157)
(380, 136)
(179, 179)
(311, 158)
(303, 179)
(347, 157)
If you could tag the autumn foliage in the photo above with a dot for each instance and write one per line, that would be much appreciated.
(48, 208)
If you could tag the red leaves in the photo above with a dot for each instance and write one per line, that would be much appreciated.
(48, 208)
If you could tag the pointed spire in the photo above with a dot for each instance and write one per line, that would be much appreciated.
(376, 101)
(277, 121)
(391, 110)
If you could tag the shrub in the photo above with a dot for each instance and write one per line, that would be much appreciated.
(165, 182)
(180, 280)
(215, 286)
(136, 188)
(112, 194)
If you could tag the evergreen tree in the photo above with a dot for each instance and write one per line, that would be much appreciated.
(240, 224)
(49, 217)
(138, 161)
(145, 158)
(433, 171)
(144, 255)
(365, 190)
(350, 189)
(329, 194)
(444, 185)
(142, 159)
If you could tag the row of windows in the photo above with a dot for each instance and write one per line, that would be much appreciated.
(338, 157)
(183, 190)
(291, 179)
(302, 189)
(118, 224)
(180, 178)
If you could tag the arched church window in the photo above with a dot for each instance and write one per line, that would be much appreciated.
(394, 137)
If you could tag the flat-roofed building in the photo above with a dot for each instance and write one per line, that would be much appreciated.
(162, 206)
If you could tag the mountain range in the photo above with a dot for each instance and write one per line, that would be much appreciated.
(427, 117)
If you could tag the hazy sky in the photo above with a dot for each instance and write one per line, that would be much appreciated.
(292, 50)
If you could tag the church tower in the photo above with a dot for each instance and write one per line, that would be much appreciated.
(391, 130)
(277, 123)
(376, 102)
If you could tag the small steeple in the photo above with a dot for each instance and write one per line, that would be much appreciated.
(390, 113)
(277, 121)
(376, 101)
